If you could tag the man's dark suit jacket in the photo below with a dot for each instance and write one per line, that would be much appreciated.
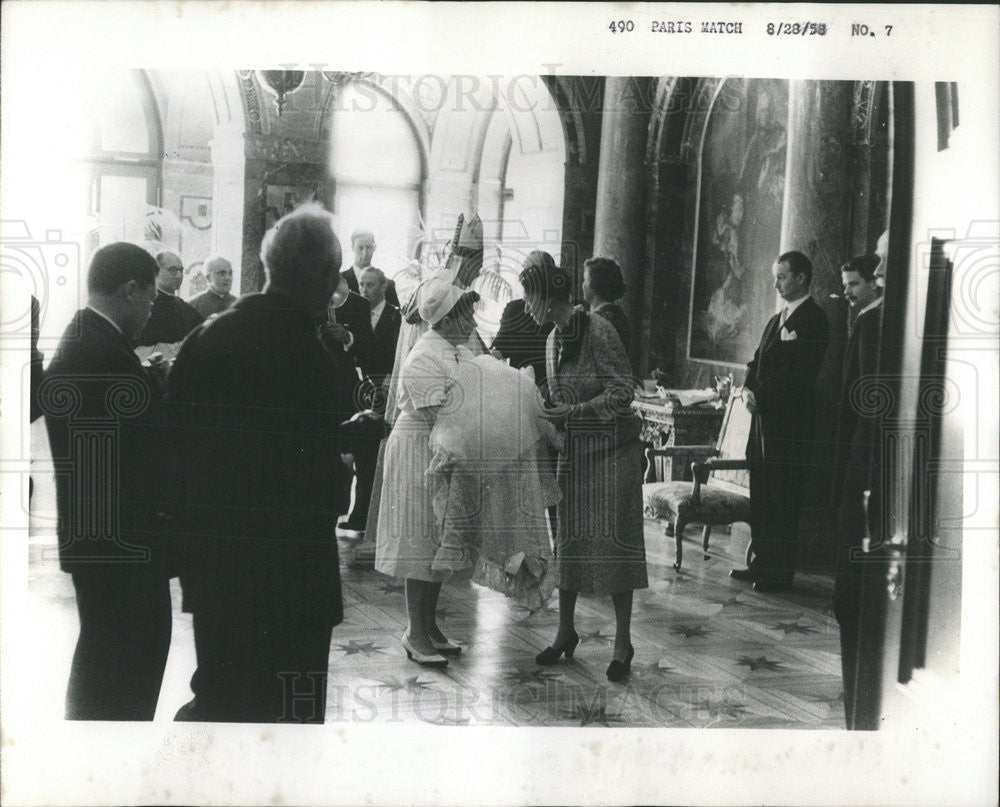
(355, 315)
(383, 353)
(258, 479)
(390, 289)
(104, 417)
(208, 303)
(521, 341)
(857, 468)
(170, 320)
(782, 374)
(855, 457)
(95, 384)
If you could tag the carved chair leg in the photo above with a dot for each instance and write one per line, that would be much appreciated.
(705, 534)
(678, 538)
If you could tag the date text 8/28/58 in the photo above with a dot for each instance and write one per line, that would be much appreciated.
(796, 29)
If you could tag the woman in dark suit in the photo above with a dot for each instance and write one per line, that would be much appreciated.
(603, 286)
(599, 545)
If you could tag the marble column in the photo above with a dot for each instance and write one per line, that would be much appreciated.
(620, 217)
(817, 221)
(580, 102)
(668, 290)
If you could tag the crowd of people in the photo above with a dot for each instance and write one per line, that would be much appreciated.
(235, 458)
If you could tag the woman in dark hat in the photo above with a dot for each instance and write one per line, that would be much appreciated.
(599, 545)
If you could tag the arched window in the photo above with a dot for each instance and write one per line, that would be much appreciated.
(522, 178)
(99, 131)
(378, 170)
(125, 155)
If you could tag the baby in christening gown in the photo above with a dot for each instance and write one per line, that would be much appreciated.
(490, 489)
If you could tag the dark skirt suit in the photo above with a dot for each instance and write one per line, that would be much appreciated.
(599, 544)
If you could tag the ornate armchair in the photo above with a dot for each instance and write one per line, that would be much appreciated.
(719, 492)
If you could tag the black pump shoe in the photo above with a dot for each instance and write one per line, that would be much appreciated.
(619, 670)
(550, 655)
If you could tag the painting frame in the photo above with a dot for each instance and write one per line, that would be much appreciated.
(738, 215)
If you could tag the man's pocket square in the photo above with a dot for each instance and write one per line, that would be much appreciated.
(788, 336)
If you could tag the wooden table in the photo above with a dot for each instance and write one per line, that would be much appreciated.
(666, 424)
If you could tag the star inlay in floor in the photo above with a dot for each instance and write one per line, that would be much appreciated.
(709, 651)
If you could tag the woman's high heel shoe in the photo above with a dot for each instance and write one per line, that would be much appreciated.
(619, 670)
(550, 655)
(424, 660)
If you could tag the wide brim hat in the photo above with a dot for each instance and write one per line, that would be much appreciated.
(436, 297)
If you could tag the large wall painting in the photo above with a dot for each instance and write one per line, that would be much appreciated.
(742, 189)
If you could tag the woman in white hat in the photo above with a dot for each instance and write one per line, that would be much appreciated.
(406, 538)
(462, 493)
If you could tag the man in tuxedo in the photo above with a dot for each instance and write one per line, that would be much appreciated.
(171, 319)
(780, 396)
(103, 412)
(857, 462)
(363, 245)
(216, 298)
(255, 404)
(385, 320)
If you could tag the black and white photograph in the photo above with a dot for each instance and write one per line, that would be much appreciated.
(497, 403)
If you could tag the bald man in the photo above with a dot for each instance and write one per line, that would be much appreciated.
(171, 318)
(363, 245)
(219, 273)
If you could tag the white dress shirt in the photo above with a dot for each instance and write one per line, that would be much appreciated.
(786, 312)
(873, 304)
(377, 313)
(106, 317)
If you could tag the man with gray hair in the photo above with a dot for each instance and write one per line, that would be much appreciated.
(216, 298)
(255, 404)
(171, 318)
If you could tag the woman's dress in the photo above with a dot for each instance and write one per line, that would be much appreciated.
(613, 313)
(599, 547)
(461, 490)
